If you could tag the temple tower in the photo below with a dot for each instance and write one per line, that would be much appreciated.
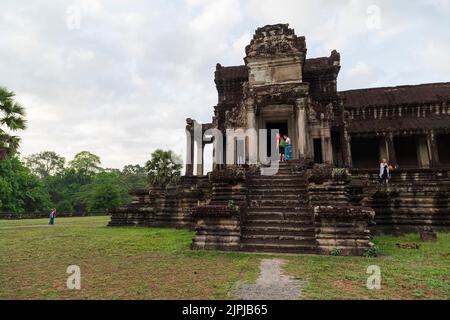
(276, 96)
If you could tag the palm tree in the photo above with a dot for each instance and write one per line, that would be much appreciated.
(12, 118)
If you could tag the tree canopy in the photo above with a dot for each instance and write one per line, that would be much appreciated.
(12, 119)
(85, 163)
(164, 168)
(43, 181)
(20, 190)
(46, 163)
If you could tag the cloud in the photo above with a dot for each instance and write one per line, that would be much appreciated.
(437, 56)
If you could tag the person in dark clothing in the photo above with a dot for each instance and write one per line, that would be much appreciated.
(384, 171)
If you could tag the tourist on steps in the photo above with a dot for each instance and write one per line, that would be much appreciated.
(52, 216)
(287, 148)
(384, 171)
(281, 146)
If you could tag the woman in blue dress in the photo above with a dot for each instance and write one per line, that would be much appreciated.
(52, 217)
(288, 148)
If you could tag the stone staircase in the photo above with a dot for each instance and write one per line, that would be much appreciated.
(412, 199)
(279, 217)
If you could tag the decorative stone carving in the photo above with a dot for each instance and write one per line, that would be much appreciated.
(275, 40)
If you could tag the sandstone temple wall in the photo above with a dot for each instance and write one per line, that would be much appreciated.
(163, 207)
(413, 199)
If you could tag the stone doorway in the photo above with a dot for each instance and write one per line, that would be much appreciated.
(365, 152)
(443, 143)
(281, 126)
(406, 151)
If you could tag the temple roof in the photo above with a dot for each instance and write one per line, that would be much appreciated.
(231, 73)
(314, 64)
(241, 72)
(321, 64)
(405, 124)
(394, 96)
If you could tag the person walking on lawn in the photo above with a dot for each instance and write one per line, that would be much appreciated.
(52, 216)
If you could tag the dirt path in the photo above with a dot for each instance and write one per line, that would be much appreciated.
(271, 284)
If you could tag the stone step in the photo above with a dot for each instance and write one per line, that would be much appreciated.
(424, 182)
(275, 248)
(399, 192)
(262, 195)
(279, 177)
(269, 179)
(308, 230)
(393, 204)
(308, 239)
(266, 223)
(301, 210)
(328, 196)
(411, 211)
(279, 203)
(287, 216)
(228, 197)
(327, 188)
(278, 184)
(400, 201)
(325, 193)
(279, 188)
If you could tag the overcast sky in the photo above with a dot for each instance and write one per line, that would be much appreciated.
(119, 78)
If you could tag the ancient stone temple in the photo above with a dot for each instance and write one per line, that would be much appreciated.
(328, 197)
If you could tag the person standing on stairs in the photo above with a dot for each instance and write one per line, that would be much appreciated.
(281, 146)
(287, 148)
(384, 171)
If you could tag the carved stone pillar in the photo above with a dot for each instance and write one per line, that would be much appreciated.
(391, 148)
(327, 147)
(200, 156)
(433, 147)
(252, 139)
(189, 148)
(346, 148)
(301, 128)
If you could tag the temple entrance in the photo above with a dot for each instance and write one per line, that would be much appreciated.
(365, 152)
(282, 126)
(406, 151)
(318, 158)
(443, 143)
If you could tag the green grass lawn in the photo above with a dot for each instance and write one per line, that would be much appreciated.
(143, 263)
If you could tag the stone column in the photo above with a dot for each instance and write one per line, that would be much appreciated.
(346, 148)
(327, 147)
(390, 148)
(301, 128)
(200, 155)
(252, 138)
(230, 148)
(433, 147)
(383, 149)
(189, 150)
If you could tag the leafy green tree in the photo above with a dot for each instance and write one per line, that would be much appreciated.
(65, 190)
(106, 191)
(164, 168)
(20, 190)
(12, 118)
(85, 163)
(135, 177)
(46, 163)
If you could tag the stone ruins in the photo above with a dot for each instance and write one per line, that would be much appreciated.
(328, 198)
